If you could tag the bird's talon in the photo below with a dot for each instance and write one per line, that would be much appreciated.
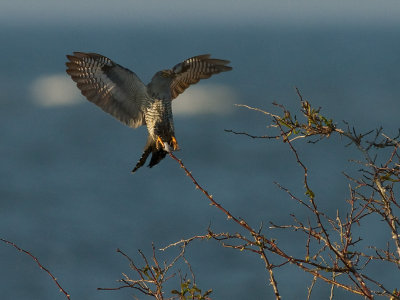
(159, 141)
(173, 146)
(174, 143)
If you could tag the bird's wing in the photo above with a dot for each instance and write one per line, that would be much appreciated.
(113, 88)
(191, 70)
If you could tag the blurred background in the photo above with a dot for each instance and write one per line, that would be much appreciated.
(66, 191)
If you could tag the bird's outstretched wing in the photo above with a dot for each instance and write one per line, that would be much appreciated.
(113, 88)
(190, 71)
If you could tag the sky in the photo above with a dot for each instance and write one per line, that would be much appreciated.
(21, 12)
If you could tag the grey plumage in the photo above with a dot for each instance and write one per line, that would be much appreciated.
(119, 92)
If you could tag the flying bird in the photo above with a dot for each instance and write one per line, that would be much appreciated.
(119, 92)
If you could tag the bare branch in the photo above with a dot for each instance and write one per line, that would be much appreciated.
(39, 264)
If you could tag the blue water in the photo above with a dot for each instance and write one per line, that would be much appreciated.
(67, 194)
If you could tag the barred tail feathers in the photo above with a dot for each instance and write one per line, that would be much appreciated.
(157, 155)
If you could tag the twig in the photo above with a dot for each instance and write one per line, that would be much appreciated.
(258, 238)
(39, 264)
(253, 136)
(311, 287)
(242, 223)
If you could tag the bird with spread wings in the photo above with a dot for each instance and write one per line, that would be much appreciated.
(119, 92)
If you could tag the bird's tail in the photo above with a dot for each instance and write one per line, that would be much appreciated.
(157, 154)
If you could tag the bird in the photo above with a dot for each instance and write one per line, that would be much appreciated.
(120, 92)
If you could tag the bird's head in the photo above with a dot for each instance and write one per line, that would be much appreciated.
(159, 86)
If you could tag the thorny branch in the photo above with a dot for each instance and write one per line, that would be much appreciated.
(39, 264)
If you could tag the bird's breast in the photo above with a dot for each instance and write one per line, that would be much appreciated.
(159, 118)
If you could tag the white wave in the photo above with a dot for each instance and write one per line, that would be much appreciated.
(55, 90)
(205, 99)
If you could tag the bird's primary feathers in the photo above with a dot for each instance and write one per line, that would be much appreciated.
(119, 92)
